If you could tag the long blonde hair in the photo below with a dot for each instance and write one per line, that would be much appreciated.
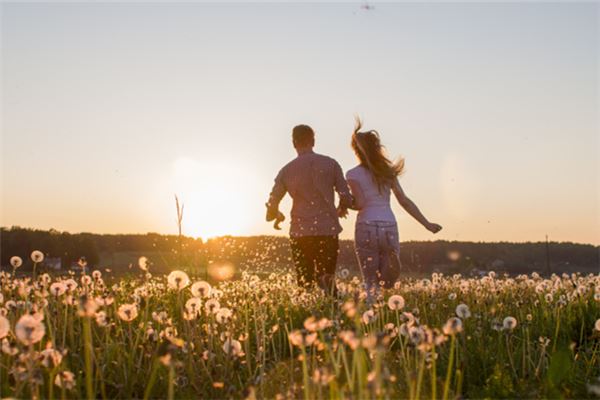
(371, 153)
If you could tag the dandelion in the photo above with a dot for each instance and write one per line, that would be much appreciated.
(50, 357)
(16, 262)
(37, 256)
(127, 312)
(29, 330)
(232, 347)
(212, 306)
(344, 273)
(462, 311)
(143, 263)
(298, 339)
(101, 319)
(453, 326)
(96, 275)
(597, 296)
(369, 316)
(509, 323)
(193, 306)
(452, 296)
(58, 289)
(178, 280)
(201, 289)
(65, 379)
(4, 327)
(396, 302)
(223, 315)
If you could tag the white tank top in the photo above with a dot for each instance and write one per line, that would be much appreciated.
(377, 204)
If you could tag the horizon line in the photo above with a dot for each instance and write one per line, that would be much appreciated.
(287, 236)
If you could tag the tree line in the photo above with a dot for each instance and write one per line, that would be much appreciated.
(249, 252)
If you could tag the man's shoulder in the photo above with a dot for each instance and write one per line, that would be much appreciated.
(326, 159)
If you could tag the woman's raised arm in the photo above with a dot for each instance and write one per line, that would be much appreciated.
(412, 208)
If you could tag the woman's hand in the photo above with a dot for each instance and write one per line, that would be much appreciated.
(433, 228)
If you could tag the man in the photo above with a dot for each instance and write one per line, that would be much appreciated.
(311, 180)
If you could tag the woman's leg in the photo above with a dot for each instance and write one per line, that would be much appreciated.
(365, 244)
(389, 255)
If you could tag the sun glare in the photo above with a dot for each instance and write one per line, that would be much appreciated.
(214, 194)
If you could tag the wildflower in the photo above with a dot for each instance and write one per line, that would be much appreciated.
(462, 311)
(453, 326)
(298, 339)
(51, 357)
(322, 376)
(4, 327)
(16, 261)
(70, 284)
(9, 347)
(452, 296)
(96, 274)
(87, 307)
(232, 347)
(201, 289)
(597, 296)
(104, 300)
(509, 323)
(37, 256)
(29, 330)
(529, 317)
(128, 312)
(65, 379)
(193, 305)
(349, 338)
(344, 273)
(178, 280)
(369, 316)
(396, 302)
(143, 263)
(212, 306)
(86, 280)
(597, 325)
(223, 315)
(101, 318)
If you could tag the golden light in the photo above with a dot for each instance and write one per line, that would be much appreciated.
(221, 271)
(215, 195)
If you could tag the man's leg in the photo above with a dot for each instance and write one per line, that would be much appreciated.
(303, 261)
(326, 260)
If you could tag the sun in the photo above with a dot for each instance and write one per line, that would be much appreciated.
(214, 194)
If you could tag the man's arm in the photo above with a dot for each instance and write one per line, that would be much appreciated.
(342, 189)
(279, 190)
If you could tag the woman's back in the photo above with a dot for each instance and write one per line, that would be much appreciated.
(376, 203)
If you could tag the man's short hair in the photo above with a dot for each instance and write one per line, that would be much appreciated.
(303, 135)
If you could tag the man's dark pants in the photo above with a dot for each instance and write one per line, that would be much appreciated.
(315, 259)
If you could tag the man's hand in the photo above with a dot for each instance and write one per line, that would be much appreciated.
(279, 219)
(433, 228)
(274, 214)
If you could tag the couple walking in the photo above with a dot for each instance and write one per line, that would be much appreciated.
(311, 179)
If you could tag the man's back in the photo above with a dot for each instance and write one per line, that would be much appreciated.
(311, 180)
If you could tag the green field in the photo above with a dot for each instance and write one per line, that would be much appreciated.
(153, 336)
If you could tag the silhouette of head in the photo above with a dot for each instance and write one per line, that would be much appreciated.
(303, 137)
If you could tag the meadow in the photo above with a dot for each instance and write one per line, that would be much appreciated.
(172, 336)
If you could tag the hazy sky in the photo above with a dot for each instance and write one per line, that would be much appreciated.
(109, 109)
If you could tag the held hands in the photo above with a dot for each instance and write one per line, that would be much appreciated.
(433, 228)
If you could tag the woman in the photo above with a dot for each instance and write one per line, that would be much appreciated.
(376, 236)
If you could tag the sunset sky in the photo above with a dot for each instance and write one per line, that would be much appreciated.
(110, 109)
